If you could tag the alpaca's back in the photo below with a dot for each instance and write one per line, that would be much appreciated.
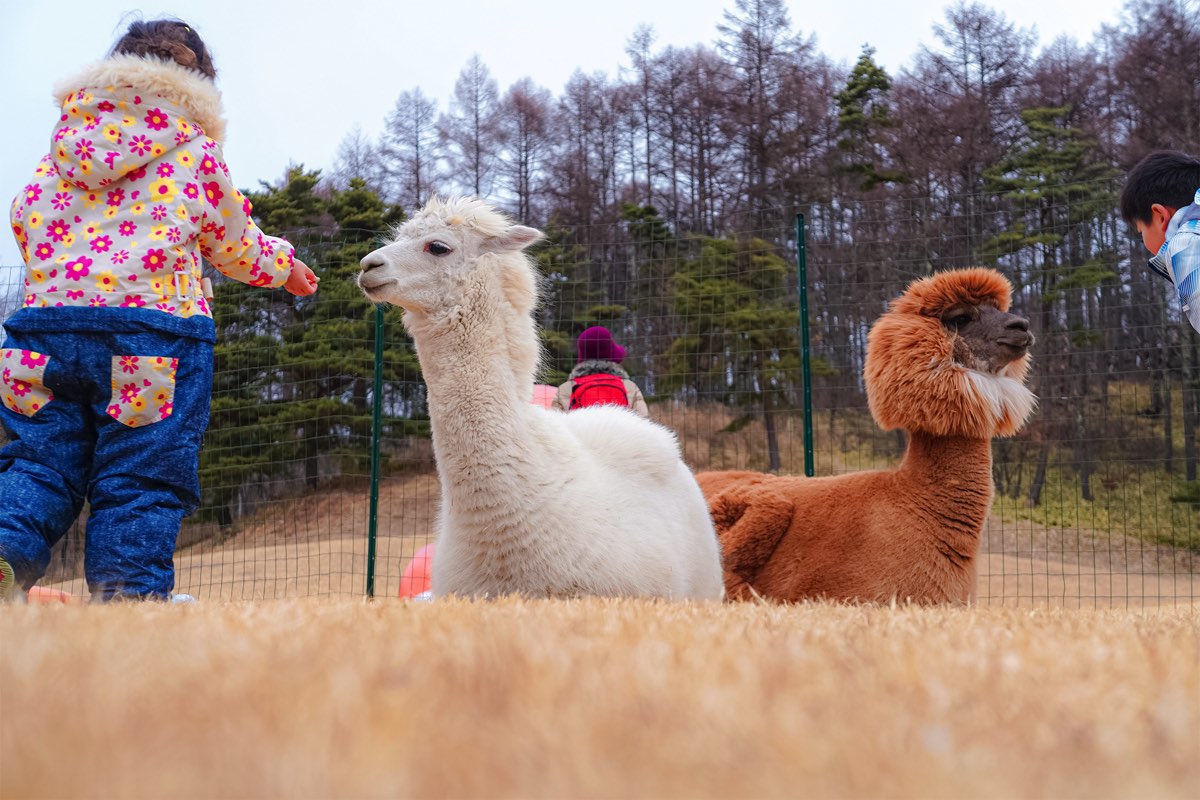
(607, 507)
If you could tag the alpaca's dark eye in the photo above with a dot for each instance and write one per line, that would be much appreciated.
(437, 248)
(959, 320)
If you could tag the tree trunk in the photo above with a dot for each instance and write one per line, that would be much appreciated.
(1039, 477)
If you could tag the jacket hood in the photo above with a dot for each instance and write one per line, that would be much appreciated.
(598, 368)
(133, 92)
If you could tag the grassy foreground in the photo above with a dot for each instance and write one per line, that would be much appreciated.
(596, 698)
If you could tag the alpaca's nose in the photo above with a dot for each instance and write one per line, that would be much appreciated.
(371, 261)
(1018, 324)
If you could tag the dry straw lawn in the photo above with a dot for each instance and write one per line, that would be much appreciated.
(531, 699)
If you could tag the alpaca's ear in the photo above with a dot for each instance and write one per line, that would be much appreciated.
(516, 237)
(750, 521)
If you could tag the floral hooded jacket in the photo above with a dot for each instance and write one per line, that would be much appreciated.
(134, 190)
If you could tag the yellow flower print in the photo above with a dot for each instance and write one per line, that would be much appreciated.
(128, 121)
(91, 231)
(73, 111)
(112, 132)
(163, 190)
(37, 275)
(183, 125)
(110, 212)
(160, 287)
(161, 398)
(85, 167)
(106, 281)
(64, 185)
(137, 208)
(86, 98)
(34, 220)
(181, 211)
(68, 240)
(158, 233)
(185, 158)
(157, 149)
(89, 119)
(90, 200)
(137, 405)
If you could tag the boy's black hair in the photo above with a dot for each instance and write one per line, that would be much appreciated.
(168, 39)
(1166, 177)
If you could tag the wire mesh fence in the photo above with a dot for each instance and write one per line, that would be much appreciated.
(318, 472)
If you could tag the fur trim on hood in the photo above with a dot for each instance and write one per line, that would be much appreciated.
(184, 88)
(597, 368)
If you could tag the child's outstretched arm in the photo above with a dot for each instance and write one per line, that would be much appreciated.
(303, 281)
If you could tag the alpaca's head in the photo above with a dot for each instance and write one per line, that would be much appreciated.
(442, 249)
(949, 359)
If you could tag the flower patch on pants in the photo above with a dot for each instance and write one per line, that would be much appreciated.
(143, 389)
(23, 372)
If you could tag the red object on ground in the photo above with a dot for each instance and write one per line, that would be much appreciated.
(44, 595)
(543, 394)
(417, 576)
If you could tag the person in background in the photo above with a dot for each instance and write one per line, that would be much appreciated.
(107, 366)
(1161, 199)
(597, 378)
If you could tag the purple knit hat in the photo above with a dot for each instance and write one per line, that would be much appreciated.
(596, 344)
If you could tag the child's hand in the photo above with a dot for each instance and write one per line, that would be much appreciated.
(303, 281)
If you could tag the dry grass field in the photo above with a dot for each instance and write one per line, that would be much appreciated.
(592, 698)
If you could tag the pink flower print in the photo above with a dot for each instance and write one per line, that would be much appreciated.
(140, 145)
(116, 197)
(191, 191)
(85, 148)
(164, 410)
(105, 106)
(246, 208)
(58, 229)
(208, 164)
(165, 170)
(19, 387)
(136, 175)
(32, 359)
(154, 260)
(75, 294)
(129, 364)
(213, 193)
(127, 228)
(78, 269)
(174, 235)
(110, 159)
(101, 244)
(44, 251)
(32, 193)
(61, 201)
(133, 301)
(97, 302)
(156, 120)
(120, 257)
(114, 411)
(158, 213)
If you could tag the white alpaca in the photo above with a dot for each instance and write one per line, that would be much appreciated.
(537, 502)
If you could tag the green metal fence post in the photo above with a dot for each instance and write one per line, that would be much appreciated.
(376, 426)
(805, 354)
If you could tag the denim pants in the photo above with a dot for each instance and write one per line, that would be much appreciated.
(115, 417)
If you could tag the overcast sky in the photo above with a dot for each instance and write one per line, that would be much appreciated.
(297, 77)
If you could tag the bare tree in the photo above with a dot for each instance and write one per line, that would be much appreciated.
(524, 126)
(471, 129)
(410, 149)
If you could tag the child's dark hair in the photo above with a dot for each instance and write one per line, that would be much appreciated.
(1166, 177)
(168, 39)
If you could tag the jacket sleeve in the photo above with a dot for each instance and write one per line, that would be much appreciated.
(1184, 254)
(562, 398)
(230, 240)
(636, 401)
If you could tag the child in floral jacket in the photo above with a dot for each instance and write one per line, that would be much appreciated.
(107, 366)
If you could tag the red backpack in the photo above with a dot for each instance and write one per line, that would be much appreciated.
(601, 389)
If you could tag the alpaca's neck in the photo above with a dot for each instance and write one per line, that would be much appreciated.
(478, 363)
(951, 478)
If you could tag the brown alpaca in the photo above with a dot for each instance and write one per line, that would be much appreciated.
(947, 363)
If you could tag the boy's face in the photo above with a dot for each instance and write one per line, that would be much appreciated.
(1154, 232)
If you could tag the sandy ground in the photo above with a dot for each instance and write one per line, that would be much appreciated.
(317, 547)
